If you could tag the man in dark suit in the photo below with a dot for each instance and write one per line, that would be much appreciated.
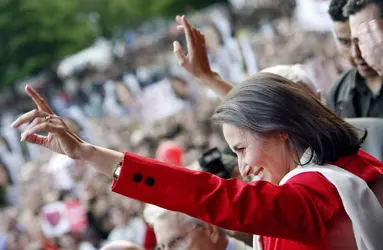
(358, 92)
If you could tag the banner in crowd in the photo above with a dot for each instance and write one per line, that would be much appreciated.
(59, 218)
(158, 101)
(313, 15)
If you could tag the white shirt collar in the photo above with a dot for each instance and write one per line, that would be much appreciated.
(305, 158)
(230, 244)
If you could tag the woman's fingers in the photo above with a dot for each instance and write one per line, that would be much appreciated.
(38, 100)
(36, 139)
(178, 19)
(189, 35)
(201, 37)
(43, 127)
(180, 56)
(34, 123)
(202, 47)
(28, 117)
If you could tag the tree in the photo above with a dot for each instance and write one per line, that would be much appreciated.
(111, 15)
(170, 8)
(35, 34)
(117, 14)
(38, 33)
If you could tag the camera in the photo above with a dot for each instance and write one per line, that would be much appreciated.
(218, 163)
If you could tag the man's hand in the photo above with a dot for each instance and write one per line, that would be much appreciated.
(370, 37)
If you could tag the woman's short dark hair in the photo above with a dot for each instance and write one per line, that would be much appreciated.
(335, 10)
(268, 103)
(354, 6)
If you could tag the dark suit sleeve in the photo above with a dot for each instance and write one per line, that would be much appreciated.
(330, 98)
(296, 211)
(332, 95)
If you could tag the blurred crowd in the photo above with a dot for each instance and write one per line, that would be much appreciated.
(107, 107)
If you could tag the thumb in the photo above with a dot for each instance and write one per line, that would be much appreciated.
(178, 52)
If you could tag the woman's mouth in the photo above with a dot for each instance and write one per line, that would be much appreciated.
(248, 172)
(256, 172)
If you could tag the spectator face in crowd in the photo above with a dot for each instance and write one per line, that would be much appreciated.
(4, 146)
(361, 12)
(3, 176)
(341, 28)
(3, 185)
(4, 182)
(121, 245)
(214, 39)
(179, 231)
(124, 95)
(67, 242)
(180, 88)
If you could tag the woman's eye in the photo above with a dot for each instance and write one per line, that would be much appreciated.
(345, 42)
(175, 242)
(239, 150)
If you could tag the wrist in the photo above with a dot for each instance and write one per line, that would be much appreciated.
(86, 151)
(103, 159)
(208, 77)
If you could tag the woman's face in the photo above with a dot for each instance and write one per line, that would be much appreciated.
(180, 89)
(268, 158)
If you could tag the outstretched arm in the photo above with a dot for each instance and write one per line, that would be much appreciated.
(297, 210)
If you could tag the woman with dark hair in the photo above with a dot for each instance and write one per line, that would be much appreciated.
(315, 184)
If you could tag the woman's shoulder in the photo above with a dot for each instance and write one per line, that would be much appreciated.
(361, 164)
(316, 188)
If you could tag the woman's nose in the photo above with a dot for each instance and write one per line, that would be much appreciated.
(241, 166)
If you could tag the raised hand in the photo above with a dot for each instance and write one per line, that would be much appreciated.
(370, 38)
(60, 138)
(196, 61)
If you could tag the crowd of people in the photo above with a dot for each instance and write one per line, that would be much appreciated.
(58, 196)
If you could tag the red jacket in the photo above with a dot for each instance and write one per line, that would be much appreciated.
(297, 215)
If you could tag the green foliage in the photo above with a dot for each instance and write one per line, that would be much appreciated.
(170, 8)
(35, 34)
(114, 14)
